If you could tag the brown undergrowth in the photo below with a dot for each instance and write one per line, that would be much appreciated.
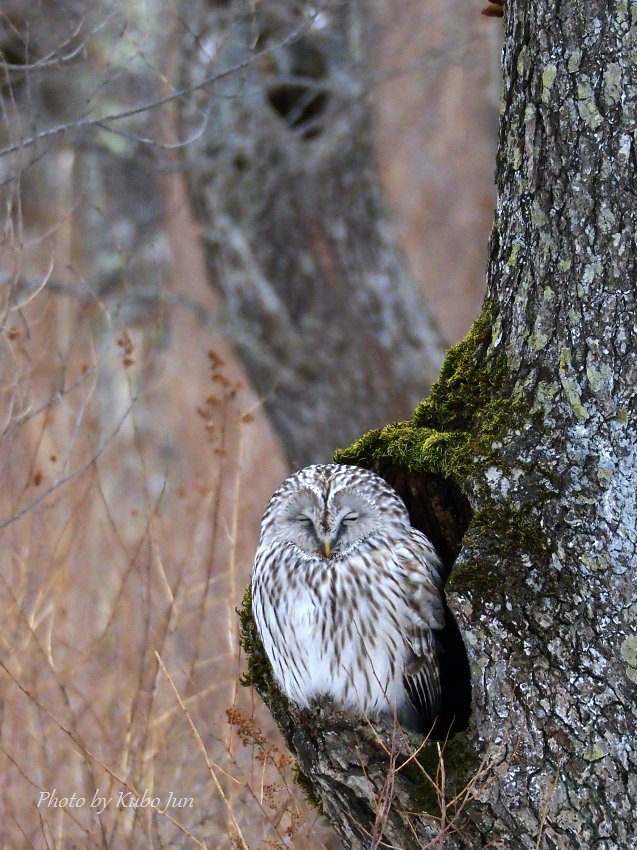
(129, 511)
(134, 465)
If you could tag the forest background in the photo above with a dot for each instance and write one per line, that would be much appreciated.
(137, 450)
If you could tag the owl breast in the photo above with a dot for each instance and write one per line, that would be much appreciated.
(329, 634)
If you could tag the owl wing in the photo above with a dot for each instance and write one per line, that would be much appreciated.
(425, 614)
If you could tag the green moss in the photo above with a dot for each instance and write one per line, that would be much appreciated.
(465, 382)
(404, 445)
(508, 531)
(513, 528)
(456, 430)
(307, 788)
(425, 776)
(476, 577)
(259, 672)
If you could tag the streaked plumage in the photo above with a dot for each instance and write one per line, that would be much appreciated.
(346, 594)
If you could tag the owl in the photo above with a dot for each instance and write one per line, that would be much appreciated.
(347, 596)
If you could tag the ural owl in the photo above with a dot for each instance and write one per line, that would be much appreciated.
(347, 595)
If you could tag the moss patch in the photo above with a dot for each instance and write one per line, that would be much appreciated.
(455, 432)
(424, 775)
(259, 673)
(507, 531)
(462, 399)
(307, 788)
(459, 432)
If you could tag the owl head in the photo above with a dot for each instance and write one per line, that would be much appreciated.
(327, 510)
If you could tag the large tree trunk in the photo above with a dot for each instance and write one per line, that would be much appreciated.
(332, 331)
(533, 418)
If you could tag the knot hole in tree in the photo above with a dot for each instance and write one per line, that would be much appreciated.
(300, 99)
(438, 508)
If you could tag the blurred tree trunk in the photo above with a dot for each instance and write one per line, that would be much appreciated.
(533, 421)
(334, 334)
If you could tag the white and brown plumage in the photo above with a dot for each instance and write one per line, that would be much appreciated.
(346, 596)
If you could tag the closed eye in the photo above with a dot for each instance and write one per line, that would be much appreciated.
(303, 518)
(351, 517)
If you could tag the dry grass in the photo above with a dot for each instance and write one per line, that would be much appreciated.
(124, 554)
(134, 465)
(452, 802)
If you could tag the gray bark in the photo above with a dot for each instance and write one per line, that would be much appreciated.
(543, 406)
(332, 331)
(554, 649)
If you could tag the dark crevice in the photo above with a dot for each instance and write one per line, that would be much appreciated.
(296, 103)
(439, 509)
(300, 101)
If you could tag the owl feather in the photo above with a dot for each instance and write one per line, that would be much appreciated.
(347, 596)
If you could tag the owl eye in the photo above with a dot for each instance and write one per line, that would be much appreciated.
(349, 518)
(303, 518)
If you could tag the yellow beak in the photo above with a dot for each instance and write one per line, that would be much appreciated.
(327, 548)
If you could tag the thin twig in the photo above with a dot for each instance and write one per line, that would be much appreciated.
(202, 748)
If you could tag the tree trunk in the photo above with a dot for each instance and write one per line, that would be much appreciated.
(334, 334)
(533, 418)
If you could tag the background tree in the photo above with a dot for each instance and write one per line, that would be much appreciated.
(332, 330)
(529, 434)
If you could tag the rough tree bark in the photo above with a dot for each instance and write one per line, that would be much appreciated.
(332, 331)
(533, 421)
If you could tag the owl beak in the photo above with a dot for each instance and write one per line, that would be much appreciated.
(327, 548)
